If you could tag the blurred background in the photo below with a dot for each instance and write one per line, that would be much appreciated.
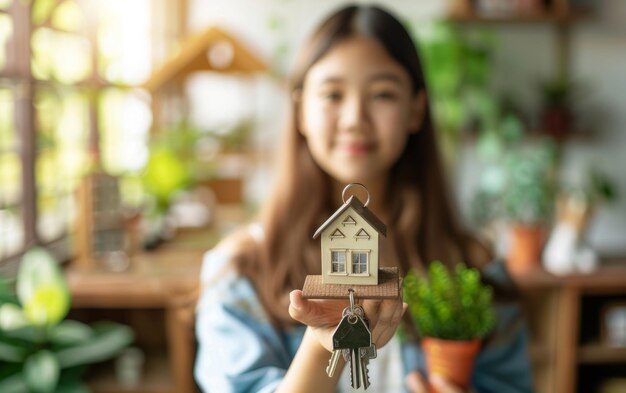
(134, 134)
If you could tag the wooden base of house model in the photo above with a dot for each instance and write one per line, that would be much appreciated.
(389, 284)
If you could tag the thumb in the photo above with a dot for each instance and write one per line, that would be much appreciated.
(415, 383)
(443, 385)
(297, 305)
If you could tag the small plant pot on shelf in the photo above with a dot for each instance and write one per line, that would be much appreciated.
(526, 244)
(556, 121)
(451, 359)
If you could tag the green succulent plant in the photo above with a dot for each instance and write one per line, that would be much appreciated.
(450, 305)
(41, 351)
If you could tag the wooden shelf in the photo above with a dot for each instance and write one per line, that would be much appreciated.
(552, 12)
(600, 354)
(565, 326)
(530, 18)
(609, 277)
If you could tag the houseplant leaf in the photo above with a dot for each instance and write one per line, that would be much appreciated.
(13, 383)
(11, 317)
(452, 305)
(11, 352)
(68, 333)
(28, 335)
(6, 294)
(17, 344)
(41, 372)
(72, 386)
(108, 340)
(41, 288)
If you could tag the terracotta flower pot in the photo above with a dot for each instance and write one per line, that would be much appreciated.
(453, 360)
(525, 250)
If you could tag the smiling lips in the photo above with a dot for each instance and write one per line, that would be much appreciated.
(356, 148)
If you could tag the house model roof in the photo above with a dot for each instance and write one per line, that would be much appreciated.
(363, 211)
(195, 54)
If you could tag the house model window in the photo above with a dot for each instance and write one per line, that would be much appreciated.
(359, 265)
(338, 261)
(360, 262)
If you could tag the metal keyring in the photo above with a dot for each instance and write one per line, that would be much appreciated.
(343, 194)
(358, 310)
(353, 318)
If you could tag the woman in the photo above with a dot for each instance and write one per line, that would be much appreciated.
(359, 114)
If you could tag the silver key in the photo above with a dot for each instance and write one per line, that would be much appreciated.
(351, 335)
(355, 368)
(332, 363)
(365, 377)
(339, 336)
(366, 354)
(369, 352)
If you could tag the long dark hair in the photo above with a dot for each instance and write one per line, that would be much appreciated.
(423, 223)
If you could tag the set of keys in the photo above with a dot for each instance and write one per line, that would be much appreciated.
(352, 339)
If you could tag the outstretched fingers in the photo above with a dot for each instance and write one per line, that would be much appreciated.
(385, 316)
(387, 326)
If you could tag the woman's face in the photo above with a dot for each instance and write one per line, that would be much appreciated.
(358, 110)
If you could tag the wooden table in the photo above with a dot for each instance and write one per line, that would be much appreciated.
(166, 279)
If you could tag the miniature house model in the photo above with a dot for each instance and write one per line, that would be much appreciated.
(350, 241)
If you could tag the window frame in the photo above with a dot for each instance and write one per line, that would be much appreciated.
(366, 253)
(348, 262)
(343, 252)
(17, 74)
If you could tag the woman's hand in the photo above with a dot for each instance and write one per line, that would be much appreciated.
(323, 316)
(416, 384)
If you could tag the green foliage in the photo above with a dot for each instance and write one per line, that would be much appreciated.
(449, 305)
(39, 350)
(182, 156)
(600, 187)
(529, 197)
(457, 66)
(557, 92)
(171, 164)
(164, 175)
(518, 181)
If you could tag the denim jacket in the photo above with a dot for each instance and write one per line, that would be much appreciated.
(239, 350)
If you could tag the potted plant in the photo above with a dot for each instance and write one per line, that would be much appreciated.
(452, 311)
(40, 351)
(556, 113)
(516, 192)
(528, 202)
